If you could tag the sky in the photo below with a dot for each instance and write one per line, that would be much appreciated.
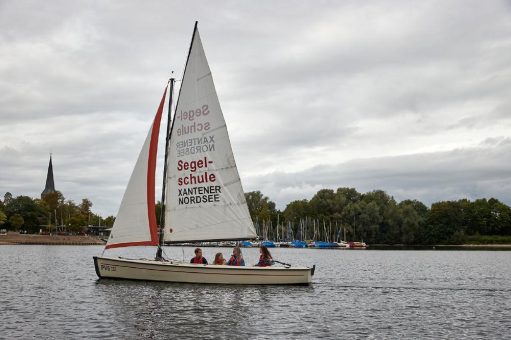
(409, 97)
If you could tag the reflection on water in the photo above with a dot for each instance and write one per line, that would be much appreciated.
(53, 292)
(185, 309)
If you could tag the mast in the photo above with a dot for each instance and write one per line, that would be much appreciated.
(167, 140)
(170, 125)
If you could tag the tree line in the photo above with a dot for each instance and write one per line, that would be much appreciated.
(330, 215)
(52, 213)
(376, 218)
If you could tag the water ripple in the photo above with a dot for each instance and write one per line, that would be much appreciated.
(52, 292)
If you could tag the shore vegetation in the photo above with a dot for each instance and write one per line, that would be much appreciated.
(330, 215)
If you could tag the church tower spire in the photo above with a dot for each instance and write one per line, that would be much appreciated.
(50, 184)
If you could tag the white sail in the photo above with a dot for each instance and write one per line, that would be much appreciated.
(205, 199)
(135, 224)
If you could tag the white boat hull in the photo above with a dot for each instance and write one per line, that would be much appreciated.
(150, 270)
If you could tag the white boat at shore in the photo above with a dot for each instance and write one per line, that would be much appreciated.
(202, 193)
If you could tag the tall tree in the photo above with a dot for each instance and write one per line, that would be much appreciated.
(260, 206)
(85, 210)
(322, 204)
(297, 210)
(7, 197)
(109, 221)
(16, 221)
(3, 217)
(446, 222)
(33, 215)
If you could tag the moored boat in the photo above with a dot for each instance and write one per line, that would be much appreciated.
(268, 244)
(356, 245)
(246, 244)
(299, 244)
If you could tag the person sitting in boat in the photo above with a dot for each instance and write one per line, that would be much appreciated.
(219, 259)
(265, 260)
(236, 258)
(198, 259)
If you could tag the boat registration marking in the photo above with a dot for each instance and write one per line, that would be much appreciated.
(108, 267)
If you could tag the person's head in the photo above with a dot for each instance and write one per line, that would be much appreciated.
(236, 251)
(265, 252)
(219, 258)
(198, 252)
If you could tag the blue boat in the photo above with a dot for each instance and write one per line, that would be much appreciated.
(268, 244)
(299, 244)
(323, 244)
(246, 244)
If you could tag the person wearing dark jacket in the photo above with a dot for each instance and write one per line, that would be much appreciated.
(198, 259)
(265, 260)
(236, 258)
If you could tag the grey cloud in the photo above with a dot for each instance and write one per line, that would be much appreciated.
(301, 83)
(479, 172)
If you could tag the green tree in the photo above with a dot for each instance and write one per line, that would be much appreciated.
(500, 218)
(52, 200)
(16, 221)
(33, 214)
(85, 210)
(260, 206)
(296, 210)
(369, 221)
(385, 226)
(7, 197)
(109, 221)
(322, 204)
(70, 210)
(351, 215)
(410, 223)
(3, 217)
(77, 223)
(350, 194)
(446, 222)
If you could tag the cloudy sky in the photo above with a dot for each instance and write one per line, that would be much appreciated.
(411, 97)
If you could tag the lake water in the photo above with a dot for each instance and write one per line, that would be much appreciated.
(52, 292)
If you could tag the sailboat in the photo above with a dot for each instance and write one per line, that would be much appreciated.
(202, 195)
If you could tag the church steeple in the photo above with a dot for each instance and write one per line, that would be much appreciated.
(50, 184)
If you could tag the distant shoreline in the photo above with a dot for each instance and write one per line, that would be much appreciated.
(441, 247)
(13, 238)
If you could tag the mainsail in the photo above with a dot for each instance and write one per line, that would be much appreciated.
(205, 199)
(135, 224)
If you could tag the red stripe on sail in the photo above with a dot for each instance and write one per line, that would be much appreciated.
(151, 173)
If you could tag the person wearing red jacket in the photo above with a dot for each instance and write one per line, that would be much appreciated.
(236, 258)
(265, 260)
(198, 259)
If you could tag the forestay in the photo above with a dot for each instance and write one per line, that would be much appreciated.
(205, 199)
